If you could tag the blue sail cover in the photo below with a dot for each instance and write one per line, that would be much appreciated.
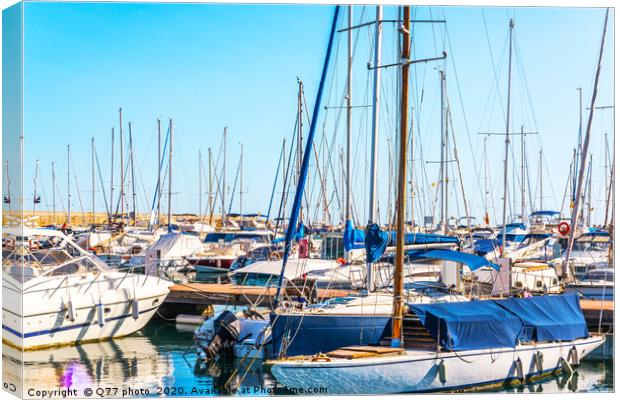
(488, 324)
(376, 242)
(351, 237)
(470, 325)
(472, 261)
(549, 317)
(544, 213)
(484, 246)
(423, 238)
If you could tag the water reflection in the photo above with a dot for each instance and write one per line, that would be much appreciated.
(161, 360)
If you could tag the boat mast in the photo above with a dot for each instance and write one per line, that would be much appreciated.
(36, 175)
(133, 180)
(241, 187)
(111, 180)
(224, 181)
(68, 185)
(442, 160)
(540, 166)
(397, 321)
(584, 153)
(522, 175)
(53, 193)
(347, 202)
(93, 175)
(199, 184)
(210, 189)
(170, 178)
(589, 214)
(120, 118)
(507, 141)
(578, 154)
(159, 163)
(374, 150)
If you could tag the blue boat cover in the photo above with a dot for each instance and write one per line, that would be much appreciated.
(470, 325)
(423, 238)
(472, 261)
(549, 317)
(376, 242)
(351, 237)
(544, 213)
(487, 324)
(484, 246)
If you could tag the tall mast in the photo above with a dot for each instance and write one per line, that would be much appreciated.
(133, 179)
(397, 321)
(442, 160)
(300, 139)
(578, 145)
(199, 183)
(53, 193)
(111, 180)
(589, 214)
(507, 141)
(93, 175)
(584, 153)
(241, 186)
(347, 202)
(486, 189)
(34, 196)
(171, 128)
(522, 175)
(159, 163)
(540, 166)
(120, 118)
(210, 190)
(374, 150)
(68, 185)
(224, 182)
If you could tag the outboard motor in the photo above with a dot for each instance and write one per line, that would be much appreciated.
(218, 335)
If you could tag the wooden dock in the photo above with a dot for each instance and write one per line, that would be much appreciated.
(204, 294)
(597, 311)
(235, 295)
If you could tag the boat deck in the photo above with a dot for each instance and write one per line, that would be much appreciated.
(235, 295)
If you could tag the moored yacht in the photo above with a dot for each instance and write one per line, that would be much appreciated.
(56, 293)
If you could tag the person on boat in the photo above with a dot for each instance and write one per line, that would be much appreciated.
(527, 294)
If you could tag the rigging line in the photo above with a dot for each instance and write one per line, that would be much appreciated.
(486, 31)
(77, 189)
(105, 197)
(458, 86)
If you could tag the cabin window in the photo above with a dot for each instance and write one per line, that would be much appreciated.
(519, 284)
(539, 284)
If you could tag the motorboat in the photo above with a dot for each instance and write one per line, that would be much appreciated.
(56, 293)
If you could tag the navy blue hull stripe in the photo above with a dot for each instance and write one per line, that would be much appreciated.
(66, 328)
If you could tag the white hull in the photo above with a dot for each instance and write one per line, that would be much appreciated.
(102, 308)
(419, 371)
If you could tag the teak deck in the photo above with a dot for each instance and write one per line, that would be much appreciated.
(230, 294)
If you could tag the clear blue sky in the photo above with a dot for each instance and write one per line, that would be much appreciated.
(210, 66)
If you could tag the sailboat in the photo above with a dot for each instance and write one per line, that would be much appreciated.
(477, 343)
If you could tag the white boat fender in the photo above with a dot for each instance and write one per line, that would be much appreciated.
(70, 311)
(100, 315)
(565, 366)
(441, 371)
(538, 359)
(135, 309)
(573, 356)
(519, 369)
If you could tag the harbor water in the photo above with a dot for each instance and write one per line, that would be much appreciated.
(160, 361)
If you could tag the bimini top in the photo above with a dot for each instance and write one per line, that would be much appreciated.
(544, 213)
(503, 323)
(472, 261)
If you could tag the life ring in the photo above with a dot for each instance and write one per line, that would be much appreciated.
(341, 261)
(563, 228)
(320, 358)
(274, 256)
